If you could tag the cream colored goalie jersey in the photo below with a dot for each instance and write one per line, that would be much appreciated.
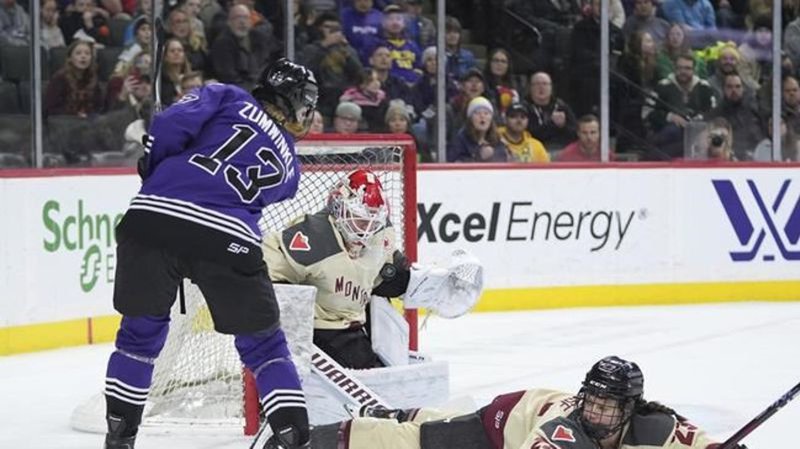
(532, 419)
(310, 251)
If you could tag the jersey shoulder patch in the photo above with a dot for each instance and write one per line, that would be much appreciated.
(652, 429)
(311, 239)
(566, 433)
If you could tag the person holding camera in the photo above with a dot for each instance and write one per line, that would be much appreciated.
(741, 112)
(720, 141)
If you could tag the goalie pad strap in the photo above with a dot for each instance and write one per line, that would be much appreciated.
(461, 432)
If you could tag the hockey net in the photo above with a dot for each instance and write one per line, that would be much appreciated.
(198, 381)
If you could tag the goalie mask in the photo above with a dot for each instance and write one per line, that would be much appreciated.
(289, 93)
(609, 395)
(359, 209)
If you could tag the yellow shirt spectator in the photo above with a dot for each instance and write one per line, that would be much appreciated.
(522, 146)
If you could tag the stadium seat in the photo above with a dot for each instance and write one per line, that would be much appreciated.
(9, 98)
(16, 63)
(106, 61)
(15, 140)
(57, 57)
(117, 27)
(24, 88)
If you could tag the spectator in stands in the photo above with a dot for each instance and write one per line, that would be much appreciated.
(679, 98)
(15, 27)
(731, 13)
(361, 24)
(317, 123)
(756, 51)
(501, 88)
(791, 41)
(477, 140)
(189, 81)
(423, 93)
(372, 100)
(551, 119)
(677, 44)
(790, 146)
(175, 65)
(459, 60)
(522, 147)
(405, 53)
(720, 141)
(560, 12)
(381, 62)
(644, 19)
(398, 121)
(741, 112)
(638, 69)
(194, 44)
(791, 102)
(142, 11)
(304, 19)
(472, 86)
(192, 9)
(730, 61)
(334, 62)
(240, 52)
(420, 28)
(587, 147)
(144, 36)
(346, 118)
(695, 14)
(115, 9)
(75, 88)
(585, 59)
(124, 84)
(87, 19)
(52, 37)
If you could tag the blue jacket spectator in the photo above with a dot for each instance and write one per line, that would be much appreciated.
(459, 60)
(405, 53)
(361, 24)
(696, 14)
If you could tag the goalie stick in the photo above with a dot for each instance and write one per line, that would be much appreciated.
(731, 442)
(354, 391)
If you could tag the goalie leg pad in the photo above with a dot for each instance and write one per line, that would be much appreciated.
(462, 432)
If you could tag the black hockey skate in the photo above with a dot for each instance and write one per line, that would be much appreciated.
(116, 438)
(286, 438)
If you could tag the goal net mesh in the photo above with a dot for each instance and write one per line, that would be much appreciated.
(198, 378)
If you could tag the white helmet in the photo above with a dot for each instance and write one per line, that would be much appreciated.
(359, 208)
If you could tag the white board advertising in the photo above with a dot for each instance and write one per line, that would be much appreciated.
(568, 227)
(58, 253)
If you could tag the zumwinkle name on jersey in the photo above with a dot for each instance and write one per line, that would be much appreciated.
(214, 160)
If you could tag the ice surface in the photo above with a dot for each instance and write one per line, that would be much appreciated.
(720, 365)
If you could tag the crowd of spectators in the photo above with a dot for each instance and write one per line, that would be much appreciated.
(684, 73)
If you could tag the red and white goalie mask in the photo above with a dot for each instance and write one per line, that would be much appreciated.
(359, 209)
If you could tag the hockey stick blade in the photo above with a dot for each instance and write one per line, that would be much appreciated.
(731, 442)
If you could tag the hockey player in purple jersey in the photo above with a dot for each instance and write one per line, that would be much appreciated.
(212, 162)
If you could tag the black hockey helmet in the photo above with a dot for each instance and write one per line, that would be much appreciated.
(610, 381)
(292, 90)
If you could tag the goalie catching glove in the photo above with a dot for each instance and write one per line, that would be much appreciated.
(449, 292)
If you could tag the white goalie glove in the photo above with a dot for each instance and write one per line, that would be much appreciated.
(448, 292)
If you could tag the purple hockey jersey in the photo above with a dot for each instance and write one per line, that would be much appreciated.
(216, 159)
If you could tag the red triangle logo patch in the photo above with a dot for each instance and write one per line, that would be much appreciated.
(299, 242)
(563, 434)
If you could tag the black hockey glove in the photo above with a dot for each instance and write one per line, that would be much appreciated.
(143, 162)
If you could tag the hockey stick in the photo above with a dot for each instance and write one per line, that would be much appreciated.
(731, 442)
(354, 391)
(332, 373)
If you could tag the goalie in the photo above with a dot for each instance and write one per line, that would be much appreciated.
(347, 250)
(609, 412)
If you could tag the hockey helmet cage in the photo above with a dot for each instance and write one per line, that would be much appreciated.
(359, 208)
(291, 89)
(610, 379)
